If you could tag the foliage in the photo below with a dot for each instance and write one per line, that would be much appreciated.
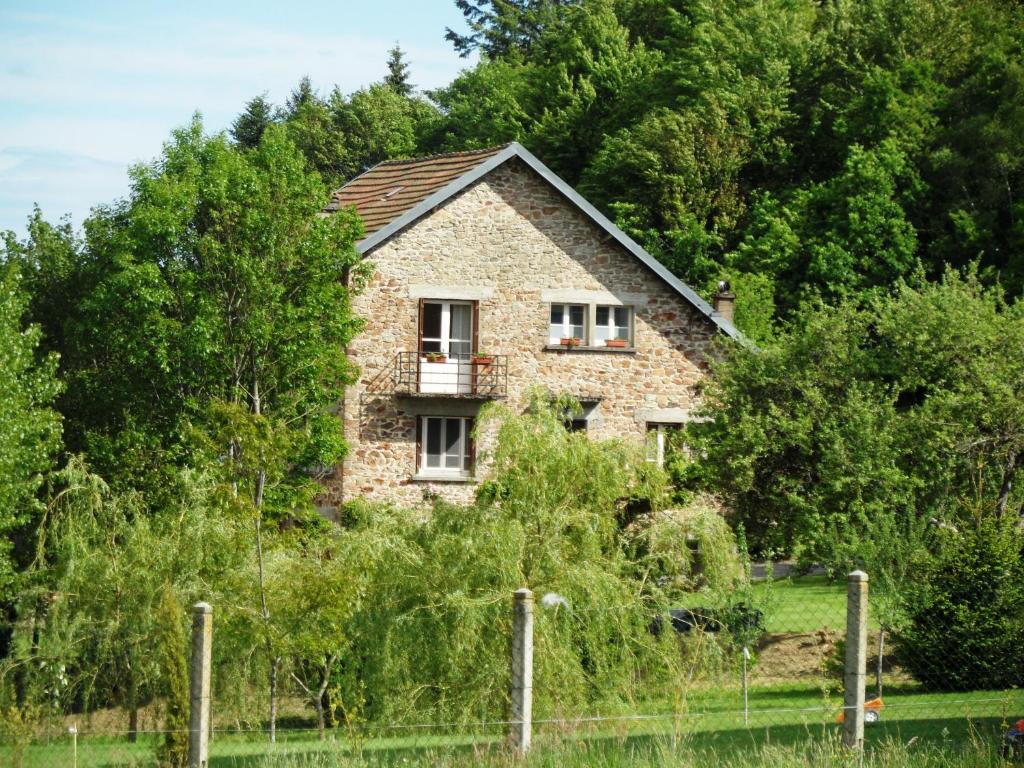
(90, 618)
(247, 129)
(869, 416)
(171, 660)
(965, 611)
(30, 429)
(398, 73)
(431, 637)
(501, 27)
(683, 550)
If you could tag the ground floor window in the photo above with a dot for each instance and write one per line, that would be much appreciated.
(659, 441)
(445, 445)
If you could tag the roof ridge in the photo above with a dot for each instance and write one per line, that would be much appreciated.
(440, 155)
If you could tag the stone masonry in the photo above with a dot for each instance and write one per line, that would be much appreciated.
(515, 241)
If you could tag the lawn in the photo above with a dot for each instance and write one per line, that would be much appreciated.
(792, 716)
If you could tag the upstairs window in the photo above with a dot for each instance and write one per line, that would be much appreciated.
(567, 321)
(612, 323)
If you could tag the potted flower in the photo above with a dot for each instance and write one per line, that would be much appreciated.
(482, 358)
(436, 357)
(571, 341)
(616, 343)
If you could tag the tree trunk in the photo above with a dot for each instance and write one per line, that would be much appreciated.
(321, 724)
(257, 501)
(878, 666)
(1004, 491)
(132, 703)
(325, 678)
(274, 663)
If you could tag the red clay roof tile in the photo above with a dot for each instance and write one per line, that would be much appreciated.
(389, 189)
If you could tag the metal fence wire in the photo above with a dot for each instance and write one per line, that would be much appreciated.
(799, 658)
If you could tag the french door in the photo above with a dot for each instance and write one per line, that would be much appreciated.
(446, 347)
(446, 327)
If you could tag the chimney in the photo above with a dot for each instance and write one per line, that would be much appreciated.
(725, 301)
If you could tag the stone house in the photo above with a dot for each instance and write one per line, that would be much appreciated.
(492, 276)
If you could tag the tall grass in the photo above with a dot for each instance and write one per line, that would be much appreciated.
(818, 754)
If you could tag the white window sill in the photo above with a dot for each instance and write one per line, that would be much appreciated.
(442, 477)
(585, 348)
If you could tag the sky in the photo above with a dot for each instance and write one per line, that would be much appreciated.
(88, 88)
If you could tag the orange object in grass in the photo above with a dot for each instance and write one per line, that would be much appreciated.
(871, 705)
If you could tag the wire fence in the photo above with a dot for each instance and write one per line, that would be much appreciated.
(770, 665)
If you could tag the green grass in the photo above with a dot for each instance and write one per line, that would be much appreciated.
(792, 719)
(782, 747)
(804, 604)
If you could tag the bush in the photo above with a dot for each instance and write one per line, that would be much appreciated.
(965, 612)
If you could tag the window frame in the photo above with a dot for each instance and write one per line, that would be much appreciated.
(567, 323)
(660, 432)
(611, 326)
(590, 329)
(466, 452)
(445, 340)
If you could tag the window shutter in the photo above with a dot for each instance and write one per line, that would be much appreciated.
(419, 442)
(471, 445)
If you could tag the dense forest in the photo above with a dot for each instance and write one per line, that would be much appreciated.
(852, 167)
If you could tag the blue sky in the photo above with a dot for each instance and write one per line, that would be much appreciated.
(87, 88)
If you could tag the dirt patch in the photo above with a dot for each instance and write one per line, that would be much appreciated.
(795, 656)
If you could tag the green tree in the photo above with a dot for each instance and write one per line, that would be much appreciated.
(247, 129)
(397, 78)
(965, 611)
(901, 407)
(172, 660)
(30, 430)
(217, 331)
(502, 27)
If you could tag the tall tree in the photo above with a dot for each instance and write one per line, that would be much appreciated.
(500, 27)
(30, 429)
(225, 302)
(397, 77)
(247, 129)
(304, 93)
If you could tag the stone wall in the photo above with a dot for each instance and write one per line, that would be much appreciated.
(512, 239)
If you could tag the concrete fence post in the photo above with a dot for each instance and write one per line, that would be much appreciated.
(856, 659)
(521, 721)
(199, 686)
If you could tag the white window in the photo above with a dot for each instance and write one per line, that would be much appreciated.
(568, 321)
(447, 328)
(612, 323)
(445, 446)
(658, 441)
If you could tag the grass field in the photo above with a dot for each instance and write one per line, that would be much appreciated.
(796, 719)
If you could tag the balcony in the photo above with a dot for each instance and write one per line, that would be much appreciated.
(429, 374)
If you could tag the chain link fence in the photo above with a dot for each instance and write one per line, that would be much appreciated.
(789, 660)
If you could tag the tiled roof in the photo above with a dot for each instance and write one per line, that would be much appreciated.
(390, 189)
(396, 193)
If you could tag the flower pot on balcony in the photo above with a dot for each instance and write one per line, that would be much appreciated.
(616, 343)
(436, 357)
(483, 359)
(571, 341)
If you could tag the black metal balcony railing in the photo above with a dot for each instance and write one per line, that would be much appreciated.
(430, 374)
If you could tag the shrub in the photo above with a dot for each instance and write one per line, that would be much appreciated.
(964, 626)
